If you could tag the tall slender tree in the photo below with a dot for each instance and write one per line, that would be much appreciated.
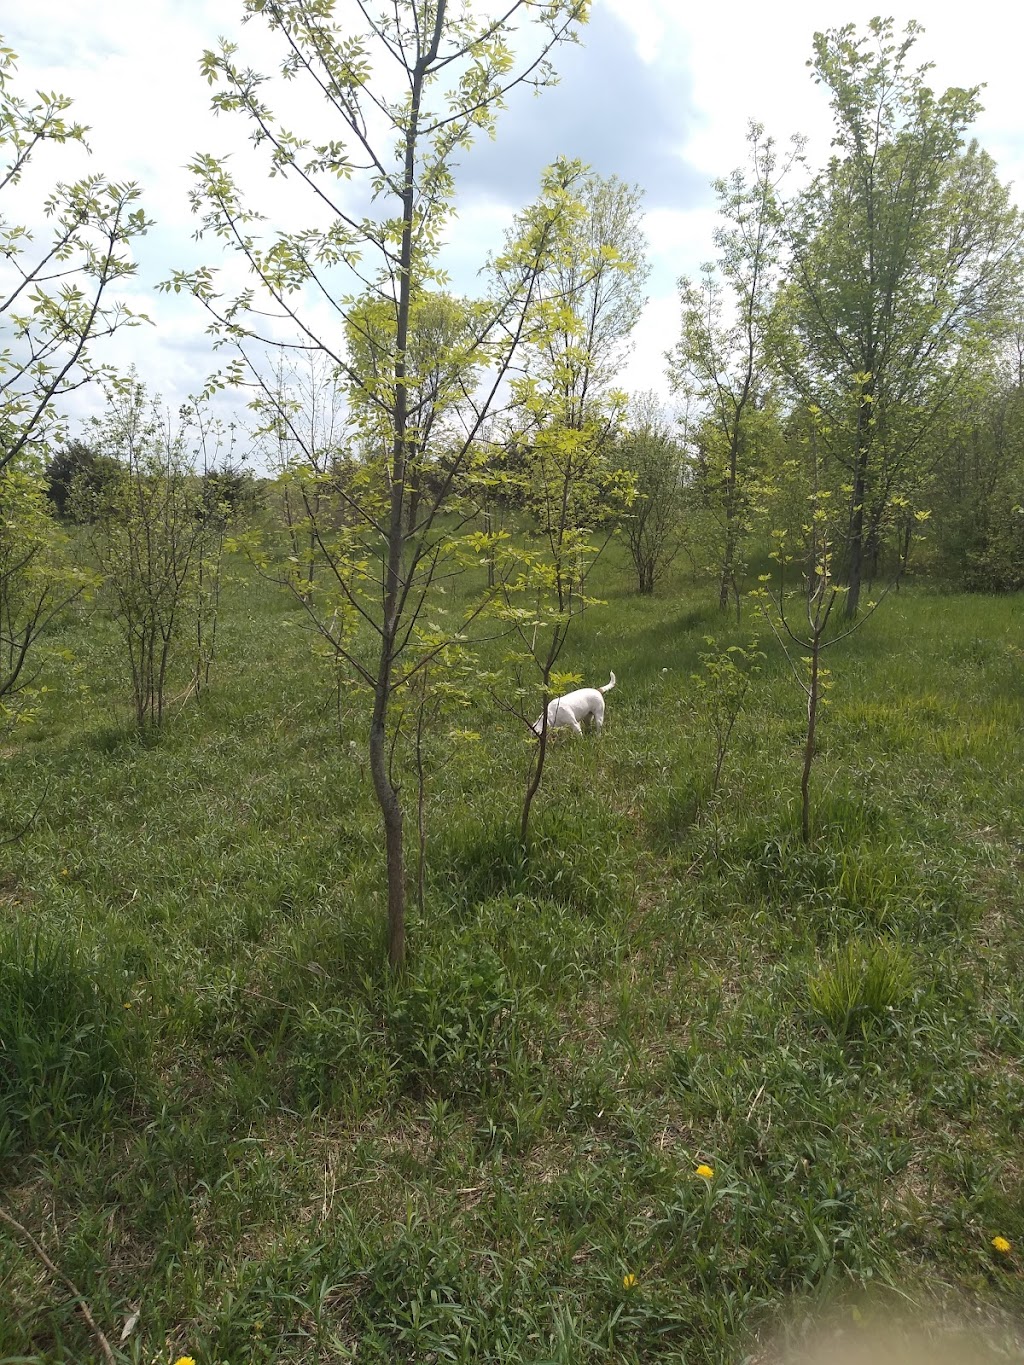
(567, 407)
(402, 90)
(723, 359)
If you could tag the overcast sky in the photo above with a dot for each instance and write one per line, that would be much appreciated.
(659, 93)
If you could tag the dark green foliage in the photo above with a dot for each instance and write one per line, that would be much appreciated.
(977, 492)
(76, 480)
(229, 494)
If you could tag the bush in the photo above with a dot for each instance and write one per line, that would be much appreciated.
(78, 480)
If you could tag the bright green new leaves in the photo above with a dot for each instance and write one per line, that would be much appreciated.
(565, 412)
(565, 408)
(54, 285)
(800, 608)
(375, 529)
(37, 581)
(723, 359)
(399, 98)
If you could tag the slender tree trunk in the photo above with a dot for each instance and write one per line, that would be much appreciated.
(391, 812)
(488, 525)
(421, 801)
(855, 549)
(538, 771)
(728, 579)
(873, 553)
(413, 486)
(855, 545)
(724, 590)
(533, 786)
(812, 719)
(387, 795)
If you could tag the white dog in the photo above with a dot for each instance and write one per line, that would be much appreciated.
(585, 704)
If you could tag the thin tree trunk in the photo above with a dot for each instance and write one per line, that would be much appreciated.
(812, 718)
(421, 801)
(391, 812)
(488, 526)
(387, 796)
(728, 578)
(856, 539)
(538, 771)
(855, 548)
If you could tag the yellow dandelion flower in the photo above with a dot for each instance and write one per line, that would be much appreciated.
(185, 1360)
(1001, 1245)
(629, 1282)
(706, 1171)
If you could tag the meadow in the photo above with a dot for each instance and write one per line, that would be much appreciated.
(665, 1089)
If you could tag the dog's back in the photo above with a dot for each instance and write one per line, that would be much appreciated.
(575, 708)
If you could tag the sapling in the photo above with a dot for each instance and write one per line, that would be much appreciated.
(402, 93)
(721, 691)
(819, 594)
(147, 534)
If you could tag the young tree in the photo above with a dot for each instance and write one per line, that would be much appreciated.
(905, 250)
(402, 91)
(568, 410)
(810, 551)
(148, 532)
(592, 292)
(54, 293)
(653, 526)
(54, 304)
(723, 357)
(565, 418)
(302, 428)
(223, 494)
(37, 582)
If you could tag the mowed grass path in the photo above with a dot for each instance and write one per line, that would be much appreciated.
(218, 1112)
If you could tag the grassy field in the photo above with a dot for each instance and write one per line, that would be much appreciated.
(218, 1113)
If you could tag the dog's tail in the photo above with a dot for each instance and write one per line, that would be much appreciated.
(608, 685)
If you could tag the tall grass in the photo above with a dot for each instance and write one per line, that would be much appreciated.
(219, 1111)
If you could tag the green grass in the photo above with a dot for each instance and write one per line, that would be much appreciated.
(218, 1110)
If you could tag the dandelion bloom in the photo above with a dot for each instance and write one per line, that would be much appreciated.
(185, 1360)
(706, 1171)
(629, 1281)
(1001, 1245)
